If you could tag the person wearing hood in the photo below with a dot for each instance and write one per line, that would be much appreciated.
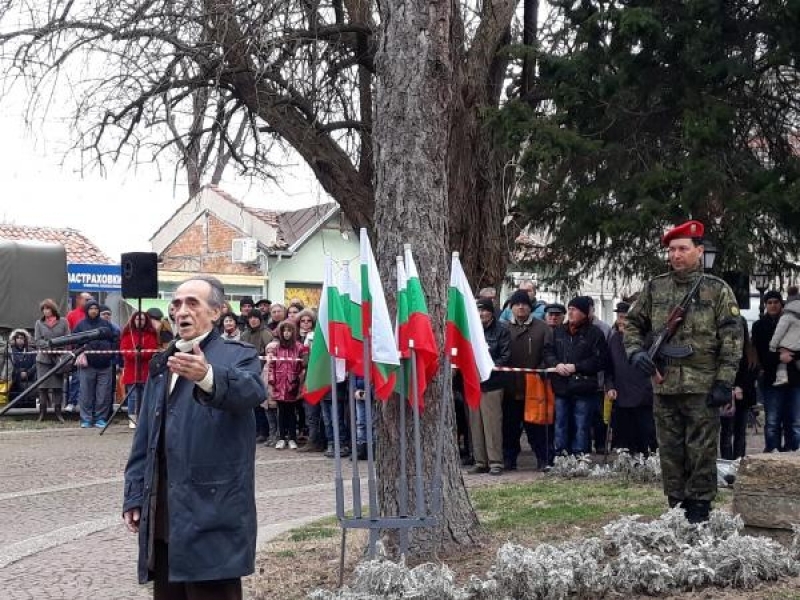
(787, 338)
(95, 370)
(23, 366)
(138, 342)
(49, 326)
(285, 367)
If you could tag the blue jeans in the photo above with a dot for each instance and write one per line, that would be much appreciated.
(133, 396)
(344, 420)
(95, 393)
(361, 422)
(782, 408)
(574, 413)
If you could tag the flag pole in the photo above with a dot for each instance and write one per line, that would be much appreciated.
(351, 387)
(419, 492)
(403, 479)
(403, 483)
(356, 478)
(447, 394)
(371, 485)
(336, 444)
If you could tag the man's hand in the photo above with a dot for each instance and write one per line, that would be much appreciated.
(721, 395)
(612, 394)
(563, 370)
(786, 356)
(132, 519)
(642, 361)
(738, 393)
(192, 366)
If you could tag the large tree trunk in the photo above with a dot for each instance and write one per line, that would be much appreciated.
(412, 126)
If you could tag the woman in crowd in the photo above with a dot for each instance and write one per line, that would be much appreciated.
(230, 328)
(733, 430)
(285, 369)
(306, 320)
(51, 325)
(138, 334)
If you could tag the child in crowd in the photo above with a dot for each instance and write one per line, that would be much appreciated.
(786, 337)
(285, 366)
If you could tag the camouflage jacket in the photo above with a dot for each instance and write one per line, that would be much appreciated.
(711, 328)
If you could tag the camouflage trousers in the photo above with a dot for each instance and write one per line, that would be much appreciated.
(688, 440)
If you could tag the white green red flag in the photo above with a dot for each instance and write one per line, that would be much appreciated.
(376, 324)
(465, 343)
(415, 326)
(330, 339)
(351, 302)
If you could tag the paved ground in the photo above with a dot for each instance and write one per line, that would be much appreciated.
(61, 534)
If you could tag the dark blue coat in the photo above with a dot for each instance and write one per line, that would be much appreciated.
(210, 457)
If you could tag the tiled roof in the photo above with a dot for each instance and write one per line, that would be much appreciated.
(290, 225)
(295, 224)
(79, 248)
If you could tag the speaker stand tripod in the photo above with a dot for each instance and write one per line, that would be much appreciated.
(137, 387)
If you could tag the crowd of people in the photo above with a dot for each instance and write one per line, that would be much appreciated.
(583, 360)
(281, 334)
(588, 367)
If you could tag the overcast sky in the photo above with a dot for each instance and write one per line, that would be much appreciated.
(119, 212)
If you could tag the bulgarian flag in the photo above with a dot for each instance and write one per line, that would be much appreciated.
(330, 340)
(351, 303)
(465, 343)
(376, 324)
(415, 325)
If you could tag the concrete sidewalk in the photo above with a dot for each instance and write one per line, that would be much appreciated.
(61, 532)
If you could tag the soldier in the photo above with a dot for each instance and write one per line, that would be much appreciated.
(697, 378)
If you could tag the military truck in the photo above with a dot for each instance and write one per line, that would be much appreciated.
(30, 271)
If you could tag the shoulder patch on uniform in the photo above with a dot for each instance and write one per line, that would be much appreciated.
(735, 310)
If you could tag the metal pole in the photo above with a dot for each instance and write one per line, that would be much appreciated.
(336, 444)
(371, 485)
(447, 392)
(403, 481)
(356, 477)
(419, 492)
(67, 360)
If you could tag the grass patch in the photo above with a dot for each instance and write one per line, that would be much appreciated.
(312, 532)
(537, 507)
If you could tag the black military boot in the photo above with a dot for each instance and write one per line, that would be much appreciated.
(697, 511)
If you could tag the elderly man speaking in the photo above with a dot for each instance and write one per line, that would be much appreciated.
(189, 482)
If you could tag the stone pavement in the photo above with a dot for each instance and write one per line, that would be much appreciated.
(61, 533)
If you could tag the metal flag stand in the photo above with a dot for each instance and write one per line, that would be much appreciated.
(374, 521)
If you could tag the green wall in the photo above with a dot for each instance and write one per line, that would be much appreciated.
(306, 267)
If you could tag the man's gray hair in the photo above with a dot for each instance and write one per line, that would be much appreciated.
(217, 296)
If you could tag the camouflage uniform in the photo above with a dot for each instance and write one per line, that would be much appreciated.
(687, 428)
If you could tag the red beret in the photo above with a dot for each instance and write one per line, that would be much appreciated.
(690, 229)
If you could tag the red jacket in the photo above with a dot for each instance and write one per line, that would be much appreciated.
(129, 339)
(284, 375)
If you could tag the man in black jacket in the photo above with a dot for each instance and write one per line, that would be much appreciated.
(578, 351)
(781, 404)
(486, 422)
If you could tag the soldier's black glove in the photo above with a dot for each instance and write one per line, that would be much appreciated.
(642, 361)
(720, 395)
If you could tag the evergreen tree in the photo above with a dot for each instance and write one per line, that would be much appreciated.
(657, 111)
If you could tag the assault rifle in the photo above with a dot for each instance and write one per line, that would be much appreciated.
(660, 347)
